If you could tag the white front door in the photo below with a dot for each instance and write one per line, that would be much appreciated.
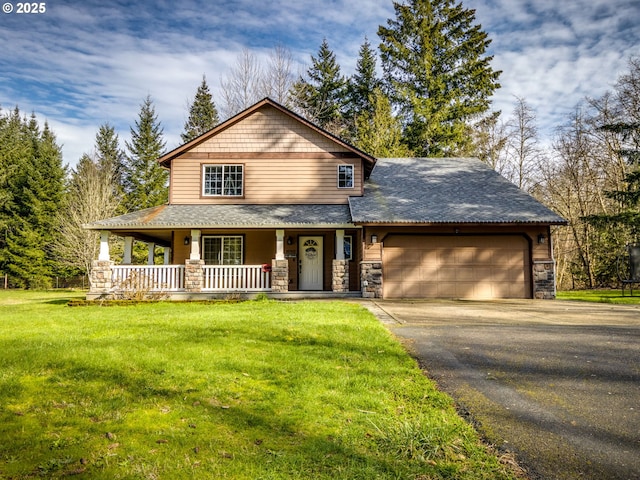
(310, 263)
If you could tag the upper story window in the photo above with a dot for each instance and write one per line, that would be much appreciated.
(222, 180)
(345, 176)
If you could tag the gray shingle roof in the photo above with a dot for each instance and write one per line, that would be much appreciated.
(204, 216)
(444, 190)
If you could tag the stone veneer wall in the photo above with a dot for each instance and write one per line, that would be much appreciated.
(340, 275)
(193, 275)
(544, 279)
(279, 276)
(371, 279)
(101, 276)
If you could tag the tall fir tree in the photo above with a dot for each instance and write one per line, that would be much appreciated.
(36, 190)
(320, 96)
(361, 87)
(109, 156)
(203, 115)
(435, 67)
(145, 181)
(379, 133)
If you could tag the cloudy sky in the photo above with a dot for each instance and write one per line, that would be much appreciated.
(82, 63)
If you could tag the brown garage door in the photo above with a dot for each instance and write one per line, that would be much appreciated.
(424, 266)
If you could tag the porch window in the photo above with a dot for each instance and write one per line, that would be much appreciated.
(222, 250)
(348, 243)
(222, 180)
(345, 176)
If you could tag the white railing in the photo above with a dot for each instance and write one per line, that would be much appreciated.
(149, 277)
(236, 277)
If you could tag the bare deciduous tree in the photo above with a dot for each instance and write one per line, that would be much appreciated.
(278, 76)
(90, 197)
(523, 150)
(243, 85)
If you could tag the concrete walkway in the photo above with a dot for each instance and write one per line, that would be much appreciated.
(555, 382)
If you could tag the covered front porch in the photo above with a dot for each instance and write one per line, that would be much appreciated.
(215, 263)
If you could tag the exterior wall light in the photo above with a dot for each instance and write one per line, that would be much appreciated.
(541, 239)
(187, 240)
(374, 238)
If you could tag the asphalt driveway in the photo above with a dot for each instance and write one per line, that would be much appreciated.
(555, 382)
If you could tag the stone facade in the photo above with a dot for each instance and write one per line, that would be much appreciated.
(101, 277)
(279, 276)
(340, 275)
(371, 279)
(193, 276)
(544, 279)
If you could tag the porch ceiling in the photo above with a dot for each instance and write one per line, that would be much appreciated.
(159, 221)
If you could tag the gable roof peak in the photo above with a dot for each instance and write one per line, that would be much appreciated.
(166, 159)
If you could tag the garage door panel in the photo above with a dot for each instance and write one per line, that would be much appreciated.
(456, 267)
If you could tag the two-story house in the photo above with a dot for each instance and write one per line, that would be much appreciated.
(269, 202)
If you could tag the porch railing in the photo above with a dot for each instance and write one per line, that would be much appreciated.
(236, 277)
(149, 277)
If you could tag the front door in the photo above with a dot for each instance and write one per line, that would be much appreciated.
(310, 263)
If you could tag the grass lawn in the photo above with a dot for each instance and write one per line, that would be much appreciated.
(602, 296)
(253, 390)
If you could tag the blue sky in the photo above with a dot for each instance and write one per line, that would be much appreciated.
(86, 62)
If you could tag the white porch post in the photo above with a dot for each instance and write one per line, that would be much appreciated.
(152, 252)
(128, 248)
(279, 244)
(339, 244)
(195, 245)
(167, 255)
(104, 246)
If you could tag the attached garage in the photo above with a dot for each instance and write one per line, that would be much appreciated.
(452, 228)
(448, 266)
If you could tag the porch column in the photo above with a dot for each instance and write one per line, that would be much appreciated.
(152, 253)
(167, 255)
(128, 249)
(339, 244)
(279, 244)
(195, 245)
(104, 246)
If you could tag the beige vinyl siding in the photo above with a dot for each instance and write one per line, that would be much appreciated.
(284, 162)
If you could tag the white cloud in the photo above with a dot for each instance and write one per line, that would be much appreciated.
(85, 63)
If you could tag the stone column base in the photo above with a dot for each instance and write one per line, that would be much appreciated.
(544, 279)
(279, 276)
(371, 279)
(193, 276)
(100, 280)
(340, 273)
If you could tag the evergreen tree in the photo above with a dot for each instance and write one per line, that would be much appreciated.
(35, 191)
(321, 96)
(627, 128)
(203, 115)
(110, 157)
(361, 87)
(145, 181)
(434, 63)
(379, 133)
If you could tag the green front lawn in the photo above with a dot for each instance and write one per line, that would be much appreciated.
(253, 390)
(602, 296)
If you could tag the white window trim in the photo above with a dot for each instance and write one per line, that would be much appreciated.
(223, 237)
(224, 168)
(353, 175)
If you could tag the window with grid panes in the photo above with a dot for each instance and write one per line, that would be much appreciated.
(222, 180)
(222, 250)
